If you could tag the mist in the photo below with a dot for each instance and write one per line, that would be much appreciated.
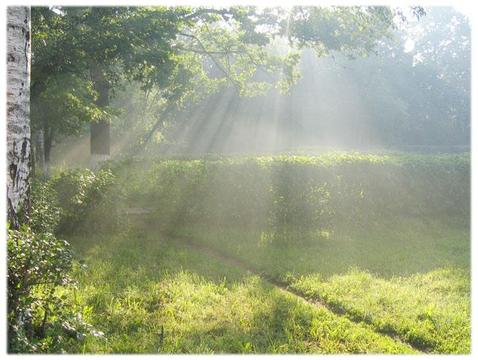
(387, 100)
(244, 180)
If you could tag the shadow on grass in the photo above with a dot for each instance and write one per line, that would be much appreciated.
(392, 247)
(280, 323)
(149, 295)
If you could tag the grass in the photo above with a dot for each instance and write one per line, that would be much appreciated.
(408, 277)
(151, 295)
(430, 310)
(400, 246)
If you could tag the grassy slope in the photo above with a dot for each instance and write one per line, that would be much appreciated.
(149, 295)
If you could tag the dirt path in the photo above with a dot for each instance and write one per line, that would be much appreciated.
(284, 287)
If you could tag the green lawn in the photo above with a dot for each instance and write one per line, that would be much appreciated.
(387, 247)
(429, 310)
(408, 277)
(150, 295)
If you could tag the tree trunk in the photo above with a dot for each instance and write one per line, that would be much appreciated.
(100, 130)
(38, 152)
(18, 114)
(47, 144)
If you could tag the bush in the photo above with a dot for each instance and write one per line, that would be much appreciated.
(37, 265)
(40, 318)
(85, 199)
(296, 197)
(45, 212)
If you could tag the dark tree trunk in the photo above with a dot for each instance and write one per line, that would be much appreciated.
(100, 138)
(47, 145)
(38, 153)
(100, 130)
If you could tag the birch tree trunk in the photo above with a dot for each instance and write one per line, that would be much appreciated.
(18, 113)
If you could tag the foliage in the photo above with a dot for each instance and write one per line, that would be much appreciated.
(76, 96)
(184, 53)
(85, 199)
(38, 264)
(398, 97)
(419, 96)
(352, 30)
(40, 317)
(39, 267)
(295, 196)
(63, 98)
(45, 213)
(74, 200)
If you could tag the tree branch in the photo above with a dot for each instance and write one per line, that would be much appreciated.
(207, 11)
(149, 135)
(214, 60)
(207, 52)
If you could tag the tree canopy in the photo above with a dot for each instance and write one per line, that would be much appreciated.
(81, 55)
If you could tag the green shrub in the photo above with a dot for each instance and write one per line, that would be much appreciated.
(45, 212)
(292, 197)
(86, 200)
(40, 318)
(38, 264)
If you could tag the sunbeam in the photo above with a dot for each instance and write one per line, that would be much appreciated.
(238, 179)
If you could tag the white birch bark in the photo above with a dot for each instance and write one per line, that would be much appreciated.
(18, 112)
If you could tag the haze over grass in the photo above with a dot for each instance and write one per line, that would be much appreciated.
(382, 242)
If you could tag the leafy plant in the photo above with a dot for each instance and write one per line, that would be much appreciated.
(37, 265)
(85, 199)
(41, 318)
(295, 197)
(45, 213)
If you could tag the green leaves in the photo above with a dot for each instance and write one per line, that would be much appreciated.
(40, 315)
(353, 30)
(66, 104)
(38, 263)
(184, 52)
(84, 198)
